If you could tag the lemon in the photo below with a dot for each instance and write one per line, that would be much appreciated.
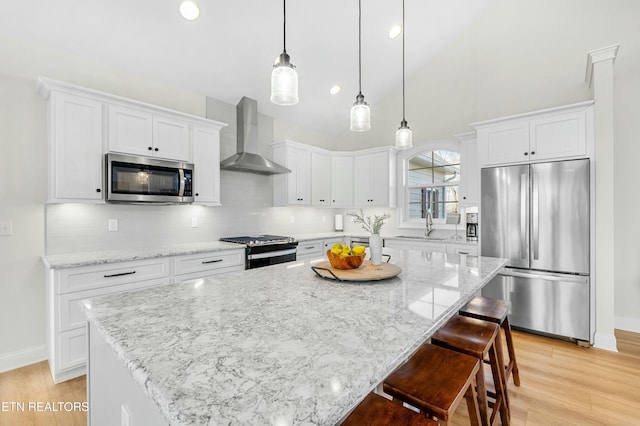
(358, 249)
(336, 250)
(344, 254)
(337, 246)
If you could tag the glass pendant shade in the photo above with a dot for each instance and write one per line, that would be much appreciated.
(404, 136)
(284, 82)
(360, 115)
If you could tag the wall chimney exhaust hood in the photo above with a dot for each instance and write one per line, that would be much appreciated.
(247, 159)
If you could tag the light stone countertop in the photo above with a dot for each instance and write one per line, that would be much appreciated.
(279, 345)
(72, 260)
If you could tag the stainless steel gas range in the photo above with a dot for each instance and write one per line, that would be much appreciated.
(265, 250)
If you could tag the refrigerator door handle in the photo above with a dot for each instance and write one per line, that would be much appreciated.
(523, 216)
(575, 278)
(535, 215)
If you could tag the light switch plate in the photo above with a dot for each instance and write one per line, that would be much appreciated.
(113, 225)
(194, 222)
(6, 227)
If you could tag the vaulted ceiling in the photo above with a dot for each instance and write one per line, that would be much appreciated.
(228, 51)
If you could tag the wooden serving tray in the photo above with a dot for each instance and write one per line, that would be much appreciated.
(366, 272)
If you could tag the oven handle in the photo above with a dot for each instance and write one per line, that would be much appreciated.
(271, 254)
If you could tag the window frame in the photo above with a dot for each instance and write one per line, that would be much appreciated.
(402, 178)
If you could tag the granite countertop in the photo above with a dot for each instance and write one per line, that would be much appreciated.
(72, 260)
(279, 345)
(437, 240)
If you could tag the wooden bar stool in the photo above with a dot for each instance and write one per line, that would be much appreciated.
(497, 311)
(479, 339)
(435, 380)
(376, 410)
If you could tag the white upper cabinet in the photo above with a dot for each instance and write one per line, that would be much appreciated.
(139, 132)
(469, 169)
(320, 179)
(341, 180)
(372, 174)
(331, 178)
(556, 133)
(171, 138)
(85, 124)
(206, 162)
(293, 188)
(75, 149)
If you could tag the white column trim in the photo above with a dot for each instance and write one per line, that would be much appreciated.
(599, 55)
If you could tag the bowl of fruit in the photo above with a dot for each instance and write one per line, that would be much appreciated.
(341, 256)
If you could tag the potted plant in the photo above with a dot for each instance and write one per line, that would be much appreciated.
(373, 226)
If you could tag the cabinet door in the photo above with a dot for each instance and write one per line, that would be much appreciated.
(558, 136)
(171, 138)
(320, 179)
(470, 173)
(504, 143)
(342, 181)
(130, 131)
(206, 161)
(75, 149)
(371, 179)
(311, 248)
(299, 180)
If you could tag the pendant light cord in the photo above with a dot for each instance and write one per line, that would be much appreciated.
(403, 117)
(284, 25)
(360, 47)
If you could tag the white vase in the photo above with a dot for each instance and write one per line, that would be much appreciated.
(375, 249)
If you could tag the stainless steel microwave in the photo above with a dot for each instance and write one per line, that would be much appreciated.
(136, 179)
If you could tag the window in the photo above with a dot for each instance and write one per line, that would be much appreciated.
(432, 184)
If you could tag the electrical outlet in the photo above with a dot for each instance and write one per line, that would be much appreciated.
(113, 225)
(324, 219)
(292, 219)
(194, 222)
(6, 227)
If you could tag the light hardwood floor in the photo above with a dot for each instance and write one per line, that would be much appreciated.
(562, 384)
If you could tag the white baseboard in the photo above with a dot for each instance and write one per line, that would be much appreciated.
(627, 324)
(605, 341)
(13, 360)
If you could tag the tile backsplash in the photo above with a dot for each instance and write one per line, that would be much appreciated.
(246, 209)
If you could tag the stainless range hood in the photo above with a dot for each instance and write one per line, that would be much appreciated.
(247, 159)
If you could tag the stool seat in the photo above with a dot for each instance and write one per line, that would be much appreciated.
(479, 339)
(496, 311)
(376, 410)
(435, 380)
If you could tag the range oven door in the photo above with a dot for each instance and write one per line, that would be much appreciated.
(270, 255)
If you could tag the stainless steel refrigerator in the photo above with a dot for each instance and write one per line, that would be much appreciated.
(537, 216)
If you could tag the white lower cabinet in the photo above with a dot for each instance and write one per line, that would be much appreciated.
(462, 249)
(309, 249)
(415, 245)
(66, 288)
(201, 265)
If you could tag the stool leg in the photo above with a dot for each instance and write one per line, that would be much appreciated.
(513, 364)
(472, 403)
(483, 403)
(500, 362)
(497, 370)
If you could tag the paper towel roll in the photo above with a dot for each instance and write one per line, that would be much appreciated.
(338, 222)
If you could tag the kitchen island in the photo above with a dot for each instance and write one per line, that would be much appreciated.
(268, 346)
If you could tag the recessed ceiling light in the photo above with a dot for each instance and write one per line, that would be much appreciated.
(189, 10)
(335, 89)
(395, 31)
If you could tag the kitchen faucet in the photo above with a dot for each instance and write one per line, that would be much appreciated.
(428, 224)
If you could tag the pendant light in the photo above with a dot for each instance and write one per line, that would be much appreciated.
(284, 78)
(360, 112)
(403, 135)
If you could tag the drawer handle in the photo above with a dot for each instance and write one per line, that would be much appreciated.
(120, 274)
(309, 247)
(204, 262)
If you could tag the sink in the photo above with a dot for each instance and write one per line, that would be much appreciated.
(419, 237)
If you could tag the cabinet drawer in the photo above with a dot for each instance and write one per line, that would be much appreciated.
(73, 348)
(462, 249)
(310, 248)
(69, 314)
(415, 245)
(204, 262)
(99, 276)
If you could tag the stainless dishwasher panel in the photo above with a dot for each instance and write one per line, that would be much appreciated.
(545, 302)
